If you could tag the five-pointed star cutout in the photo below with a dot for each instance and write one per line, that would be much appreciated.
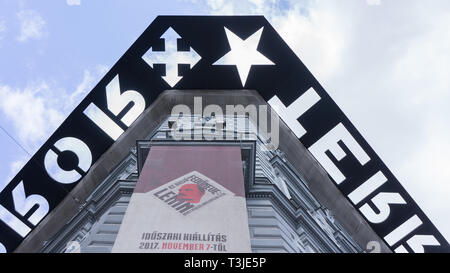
(244, 54)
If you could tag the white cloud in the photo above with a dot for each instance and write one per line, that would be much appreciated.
(317, 38)
(73, 2)
(32, 25)
(38, 109)
(32, 111)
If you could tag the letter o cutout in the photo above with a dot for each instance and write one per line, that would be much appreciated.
(76, 146)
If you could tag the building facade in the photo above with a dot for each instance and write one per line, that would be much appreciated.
(284, 216)
(284, 213)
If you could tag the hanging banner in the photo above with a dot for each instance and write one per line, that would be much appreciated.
(187, 199)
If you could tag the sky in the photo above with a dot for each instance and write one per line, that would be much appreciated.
(384, 62)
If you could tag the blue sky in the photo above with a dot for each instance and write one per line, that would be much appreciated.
(384, 62)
